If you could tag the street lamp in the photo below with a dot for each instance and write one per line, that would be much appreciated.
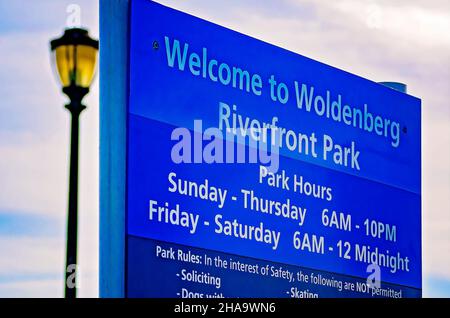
(75, 58)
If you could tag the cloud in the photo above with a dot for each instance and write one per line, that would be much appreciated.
(41, 259)
(32, 288)
(20, 16)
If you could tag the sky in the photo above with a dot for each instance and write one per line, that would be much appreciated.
(405, 40)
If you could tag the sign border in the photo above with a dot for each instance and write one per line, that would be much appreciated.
(113, 120)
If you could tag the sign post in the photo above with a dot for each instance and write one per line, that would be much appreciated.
(234, 168)
(113, 113)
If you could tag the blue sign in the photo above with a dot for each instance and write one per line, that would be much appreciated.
(253, 171)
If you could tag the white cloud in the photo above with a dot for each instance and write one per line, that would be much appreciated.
(41, 288)
(42, 259)
(31, 256)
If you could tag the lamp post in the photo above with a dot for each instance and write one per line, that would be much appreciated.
(75, 57)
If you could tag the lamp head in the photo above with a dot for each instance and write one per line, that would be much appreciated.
(75, 57)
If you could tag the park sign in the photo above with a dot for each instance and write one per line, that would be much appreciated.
(249, 170)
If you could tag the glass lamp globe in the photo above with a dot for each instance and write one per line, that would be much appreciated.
(75, 58)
